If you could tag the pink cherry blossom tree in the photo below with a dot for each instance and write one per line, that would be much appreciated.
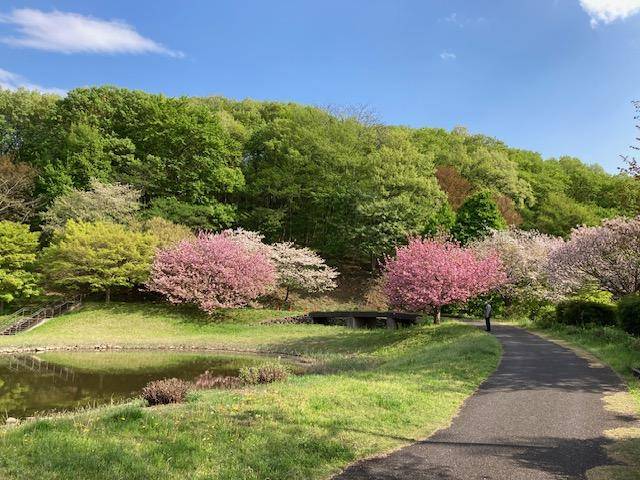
(607, 256)
(211, 271)
(426, 275)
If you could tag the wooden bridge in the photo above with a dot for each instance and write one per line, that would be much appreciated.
(367, 319)
(32, 316)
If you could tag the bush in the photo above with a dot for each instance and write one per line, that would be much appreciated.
(581, 312)
(267, 373)
(629, 314)
(169, 390)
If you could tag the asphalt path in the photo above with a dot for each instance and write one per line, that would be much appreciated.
(540, 416)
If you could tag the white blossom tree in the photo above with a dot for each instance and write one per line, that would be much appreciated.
(607, 256)
(301, 269)
(525, 256)
(297, 268)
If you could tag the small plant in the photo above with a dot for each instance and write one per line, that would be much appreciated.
(629, 314)
(267, 373)
(162, 392)
(208, 381)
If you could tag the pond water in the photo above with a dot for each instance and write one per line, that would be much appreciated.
(57, 381)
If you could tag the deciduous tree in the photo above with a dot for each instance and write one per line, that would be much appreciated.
(212, 271)
(97, 257)
(429, 274)
(607, 256)
(301, 269)
(114, 203)
(18, 249)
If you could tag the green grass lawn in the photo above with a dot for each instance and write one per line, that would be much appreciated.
(371, 391)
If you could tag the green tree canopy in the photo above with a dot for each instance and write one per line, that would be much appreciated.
(114, 203)
(97, 257)
(477, 217)
(18, 250)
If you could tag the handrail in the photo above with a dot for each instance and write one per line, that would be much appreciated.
(42, 313)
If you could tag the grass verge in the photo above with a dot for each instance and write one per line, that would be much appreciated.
(373, 391)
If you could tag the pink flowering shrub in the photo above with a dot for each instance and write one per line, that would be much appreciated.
(428, 274)
(211, 271)
(607, 256)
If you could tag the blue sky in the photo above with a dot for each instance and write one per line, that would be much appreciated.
(555, 76)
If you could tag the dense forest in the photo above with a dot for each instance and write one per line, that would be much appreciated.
(337, 181)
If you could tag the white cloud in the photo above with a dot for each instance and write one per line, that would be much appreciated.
(74, 33)
(447, 55)
(607, 11)
(461, 22)
(13, 81)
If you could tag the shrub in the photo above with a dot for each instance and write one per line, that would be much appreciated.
(545, 316)
(267, 373)
(208, 380)
(629, 314)
(581, 312)
(169, 390)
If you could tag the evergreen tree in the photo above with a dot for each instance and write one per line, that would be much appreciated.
(477, 217)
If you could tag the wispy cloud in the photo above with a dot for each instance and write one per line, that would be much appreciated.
(13, 81)
(459, 21)
(74, 33)
(607, 11)
(446, 55)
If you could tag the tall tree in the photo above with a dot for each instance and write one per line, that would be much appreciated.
(103, 202)
(17, 181)
(477, 217)
(633, 167)
(18, 250)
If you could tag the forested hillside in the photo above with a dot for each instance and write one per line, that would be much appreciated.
(344, 185)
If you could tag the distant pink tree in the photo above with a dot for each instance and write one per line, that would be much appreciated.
(426, 275)
(606, 256)
(211, 271)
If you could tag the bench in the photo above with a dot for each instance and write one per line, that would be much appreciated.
(367, 319)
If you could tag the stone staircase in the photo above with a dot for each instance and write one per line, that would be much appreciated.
(29, 317)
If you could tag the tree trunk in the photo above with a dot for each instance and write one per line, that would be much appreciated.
(107, 296)
(286, 296)
(436, 316)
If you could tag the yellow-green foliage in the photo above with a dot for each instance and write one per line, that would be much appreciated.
(18, 247)
(97, 257)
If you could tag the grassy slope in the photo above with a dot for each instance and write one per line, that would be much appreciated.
(154, 324)
(373, 391)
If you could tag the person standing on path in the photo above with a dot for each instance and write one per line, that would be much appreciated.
(487, 315)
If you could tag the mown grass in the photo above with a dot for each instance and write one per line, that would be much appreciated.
(371, 391)
(131, 324)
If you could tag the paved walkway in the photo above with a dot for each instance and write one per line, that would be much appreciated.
(540, 416)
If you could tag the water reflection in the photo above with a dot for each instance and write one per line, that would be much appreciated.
(31, 384)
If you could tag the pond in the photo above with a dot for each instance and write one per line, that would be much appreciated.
(58, 381)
